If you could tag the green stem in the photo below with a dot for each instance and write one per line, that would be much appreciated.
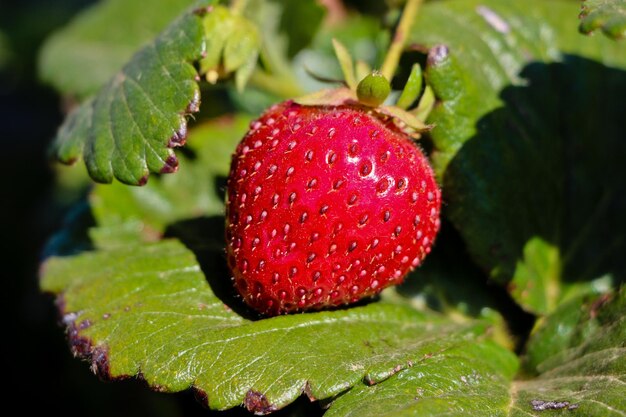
(397, 45)
(238, 6)
(277, 85)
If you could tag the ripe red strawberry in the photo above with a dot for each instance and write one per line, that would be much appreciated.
(326, 205)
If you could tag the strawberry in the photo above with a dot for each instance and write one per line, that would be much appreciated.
(326, 205)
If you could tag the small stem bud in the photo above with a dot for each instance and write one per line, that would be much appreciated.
(373, 89)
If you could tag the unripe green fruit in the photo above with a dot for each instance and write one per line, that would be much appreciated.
(373, 89)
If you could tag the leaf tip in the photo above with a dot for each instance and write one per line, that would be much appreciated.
(194, 104)
(170, 166)
(179, 138)
(84, 348)
(201, 396)
(308, 391)
(369, 380)
(257, 403)
(65, 160)
(144, 180)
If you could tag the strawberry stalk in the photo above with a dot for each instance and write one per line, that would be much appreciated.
(397, 45)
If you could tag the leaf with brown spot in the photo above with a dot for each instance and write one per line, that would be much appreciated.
(606, 15)
(153, 311)
(583, 374)
(129, 129)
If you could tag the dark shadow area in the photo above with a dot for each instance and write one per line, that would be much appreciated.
(73, 234)
(445, 280)
(204, 236)
(371, 7)
(220, 187)
(549, 164)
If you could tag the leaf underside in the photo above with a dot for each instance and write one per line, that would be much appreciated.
(606, 15)
(528, 144)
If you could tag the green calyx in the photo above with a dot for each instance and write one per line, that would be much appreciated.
(373, 89)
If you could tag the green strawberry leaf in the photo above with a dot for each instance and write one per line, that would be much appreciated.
(579, 353)
(129, 129)
(467, 380)
(131, 126)
(582, 374)
(528, 144)
(80, 58)
(144, 213)
(167, 204)
(607, 15)
(148, 310)
(581, 326)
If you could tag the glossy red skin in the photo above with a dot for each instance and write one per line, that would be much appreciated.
(306, 229)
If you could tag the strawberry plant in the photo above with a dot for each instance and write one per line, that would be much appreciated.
(389, 208)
